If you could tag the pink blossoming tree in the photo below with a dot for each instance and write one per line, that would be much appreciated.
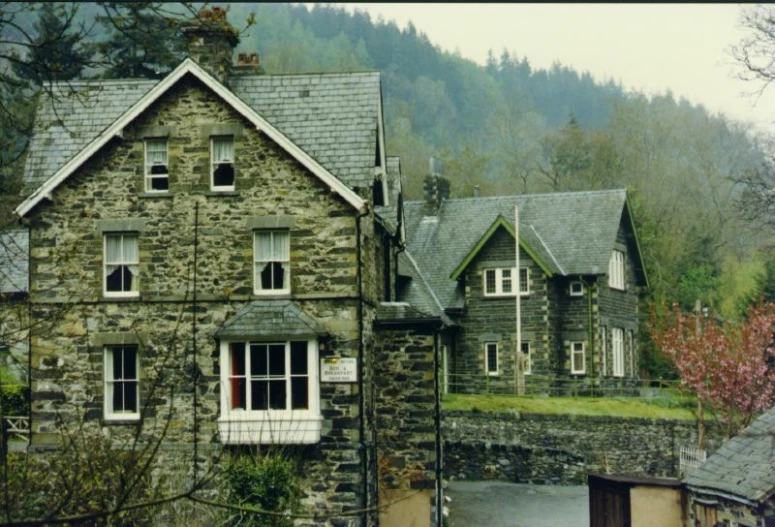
(729, 366)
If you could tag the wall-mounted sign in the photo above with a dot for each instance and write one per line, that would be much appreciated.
(339, 369)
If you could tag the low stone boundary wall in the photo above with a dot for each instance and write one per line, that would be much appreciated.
(561, 449)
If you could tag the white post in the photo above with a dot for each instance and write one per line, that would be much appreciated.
(519, 371)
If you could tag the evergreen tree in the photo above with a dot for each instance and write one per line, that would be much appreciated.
(57, 51)
(142, 40)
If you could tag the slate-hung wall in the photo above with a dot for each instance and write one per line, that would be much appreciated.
(493, 319)
(107, 194)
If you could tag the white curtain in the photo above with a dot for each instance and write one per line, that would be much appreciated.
(131, 255)
(223, 150)
(156, 152)
(281, 247)
(263, 246)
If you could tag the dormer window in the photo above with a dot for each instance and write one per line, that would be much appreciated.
(222, 163)
(157, 178)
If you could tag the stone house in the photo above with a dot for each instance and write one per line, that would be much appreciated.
(736, 485)
(580, 271)
(214, 255)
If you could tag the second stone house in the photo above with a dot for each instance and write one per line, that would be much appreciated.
(580, 272)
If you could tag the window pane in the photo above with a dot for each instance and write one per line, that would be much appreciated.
(523, 281)
(113, 249)
(263, 246)
(118, 397)
(130, 363)
(223, 149)
(238, 390)
(277, 395)
(299, 357)
(223, 176)
(506, 280)
(127, 279)
(578, 361)
(130, 396)
(281, 246)
(160, 183)
(299, 393)
(118, 364)
(278, 275)
(259, 400)
(238, 358)
(266, 276)
(258, 359)
(489, 276)
(277, 359)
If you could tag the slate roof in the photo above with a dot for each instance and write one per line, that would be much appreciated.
(572, 233)
(270, 318)
(332, 117)
(14, 261)
(72, 118)
(744, 466)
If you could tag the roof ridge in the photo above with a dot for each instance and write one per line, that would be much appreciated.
(537, 195)
(365, 73)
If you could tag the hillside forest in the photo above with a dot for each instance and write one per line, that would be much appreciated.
(510, 128)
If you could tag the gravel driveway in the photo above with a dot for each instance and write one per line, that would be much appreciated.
(502, 504)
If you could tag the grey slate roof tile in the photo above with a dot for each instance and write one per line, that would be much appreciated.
(270, 318)
(331, 117)
(744, 466)
(573, 233)
(14, 261)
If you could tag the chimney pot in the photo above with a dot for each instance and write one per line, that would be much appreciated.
(476, 191)
(211, 41)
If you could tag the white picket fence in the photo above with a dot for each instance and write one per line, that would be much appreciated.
(690, 459)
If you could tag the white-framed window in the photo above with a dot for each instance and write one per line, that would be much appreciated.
(604, 349)
(578, 358)
(122, 265)
(616, 278)
(270, 392)
(576, 288)
(631, 350)
(527, 357)
(445, 368)
(157, 176)
(500, 282)
(122, 383)
(617, 351)
(222, 163)
(271, 262)
(491, 358)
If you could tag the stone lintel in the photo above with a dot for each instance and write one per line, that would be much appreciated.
(148, 132)
(115, 338)
(209, 130)
(270, 222)
(120, 225)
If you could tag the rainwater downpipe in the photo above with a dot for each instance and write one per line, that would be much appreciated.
(588, 289)
(361, 370)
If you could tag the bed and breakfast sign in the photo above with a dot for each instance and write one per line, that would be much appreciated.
(339, 369)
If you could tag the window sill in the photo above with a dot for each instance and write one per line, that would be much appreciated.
(243, 430)
(120, 421)
(228, 193)
(135, 298)
(164, 195)
(578, 373)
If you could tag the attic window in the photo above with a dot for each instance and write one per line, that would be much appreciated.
(222, 160)
(576, 289)
(157, 177)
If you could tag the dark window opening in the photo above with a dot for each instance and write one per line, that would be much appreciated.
(379, 195)
(223, 176)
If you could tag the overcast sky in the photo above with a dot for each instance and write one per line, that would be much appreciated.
(649, 48)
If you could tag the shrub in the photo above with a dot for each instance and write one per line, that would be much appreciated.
(268, 483)
(13, 399)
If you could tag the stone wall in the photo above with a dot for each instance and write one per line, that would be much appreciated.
(561, 449)
(66, 247)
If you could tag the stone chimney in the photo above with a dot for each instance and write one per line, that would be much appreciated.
(436, 188)
(211, 42)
